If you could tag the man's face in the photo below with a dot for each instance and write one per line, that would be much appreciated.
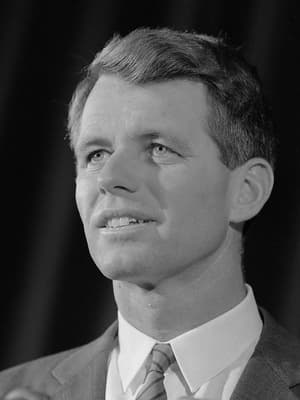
(151, 190)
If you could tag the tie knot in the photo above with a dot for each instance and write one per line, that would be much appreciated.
(162, 357)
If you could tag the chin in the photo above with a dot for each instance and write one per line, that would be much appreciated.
(129, 269)
(118, 267)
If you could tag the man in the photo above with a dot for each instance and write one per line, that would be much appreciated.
(175, 152)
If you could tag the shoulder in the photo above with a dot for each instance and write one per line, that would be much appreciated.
(37, 373)
(49, 374)
(281, 351)
(279, 347)
(273, 371)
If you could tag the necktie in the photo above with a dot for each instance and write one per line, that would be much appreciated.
(162, 358)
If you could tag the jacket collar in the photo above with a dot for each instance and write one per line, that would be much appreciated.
(271, 373)
(274, 368)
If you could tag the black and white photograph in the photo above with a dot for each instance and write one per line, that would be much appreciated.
(150, 199)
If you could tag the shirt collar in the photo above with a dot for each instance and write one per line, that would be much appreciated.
(202, 352)
(135, 347)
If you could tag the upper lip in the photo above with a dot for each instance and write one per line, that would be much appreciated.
(108, 214)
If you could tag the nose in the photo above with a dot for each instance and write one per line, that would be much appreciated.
(118, 175)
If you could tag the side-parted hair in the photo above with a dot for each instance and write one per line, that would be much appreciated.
(239, 119)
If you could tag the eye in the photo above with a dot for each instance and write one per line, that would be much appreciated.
(97, 157)
(160, 150)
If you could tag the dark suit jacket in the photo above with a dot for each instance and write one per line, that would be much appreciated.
(272, 373)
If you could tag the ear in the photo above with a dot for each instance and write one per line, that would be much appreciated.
(251, 187)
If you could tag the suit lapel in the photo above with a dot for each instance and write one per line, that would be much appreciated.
(83, 374)
(89, 384)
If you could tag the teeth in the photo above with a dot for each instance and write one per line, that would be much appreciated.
(123, 221)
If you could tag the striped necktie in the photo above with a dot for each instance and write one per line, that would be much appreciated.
(162, 358)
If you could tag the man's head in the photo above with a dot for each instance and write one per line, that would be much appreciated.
(174, 148)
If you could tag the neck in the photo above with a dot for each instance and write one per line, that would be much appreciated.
(181, 303)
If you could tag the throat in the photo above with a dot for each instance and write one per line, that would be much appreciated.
(148, 310)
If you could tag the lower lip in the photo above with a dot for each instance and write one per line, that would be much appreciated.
(127, 229)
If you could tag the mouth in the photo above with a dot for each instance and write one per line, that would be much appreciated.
(122, 219)
(124, 222)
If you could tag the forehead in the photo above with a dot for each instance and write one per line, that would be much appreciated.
(115, 106)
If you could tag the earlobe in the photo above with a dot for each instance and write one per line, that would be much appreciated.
(253, 183)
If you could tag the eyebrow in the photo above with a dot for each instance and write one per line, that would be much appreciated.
(175, 141)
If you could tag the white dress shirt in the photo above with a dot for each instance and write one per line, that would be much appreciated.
(209, 359)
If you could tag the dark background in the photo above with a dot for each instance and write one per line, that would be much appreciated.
(52, 296)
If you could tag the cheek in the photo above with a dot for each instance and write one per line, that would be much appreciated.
(85, 196)
(196, 197)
